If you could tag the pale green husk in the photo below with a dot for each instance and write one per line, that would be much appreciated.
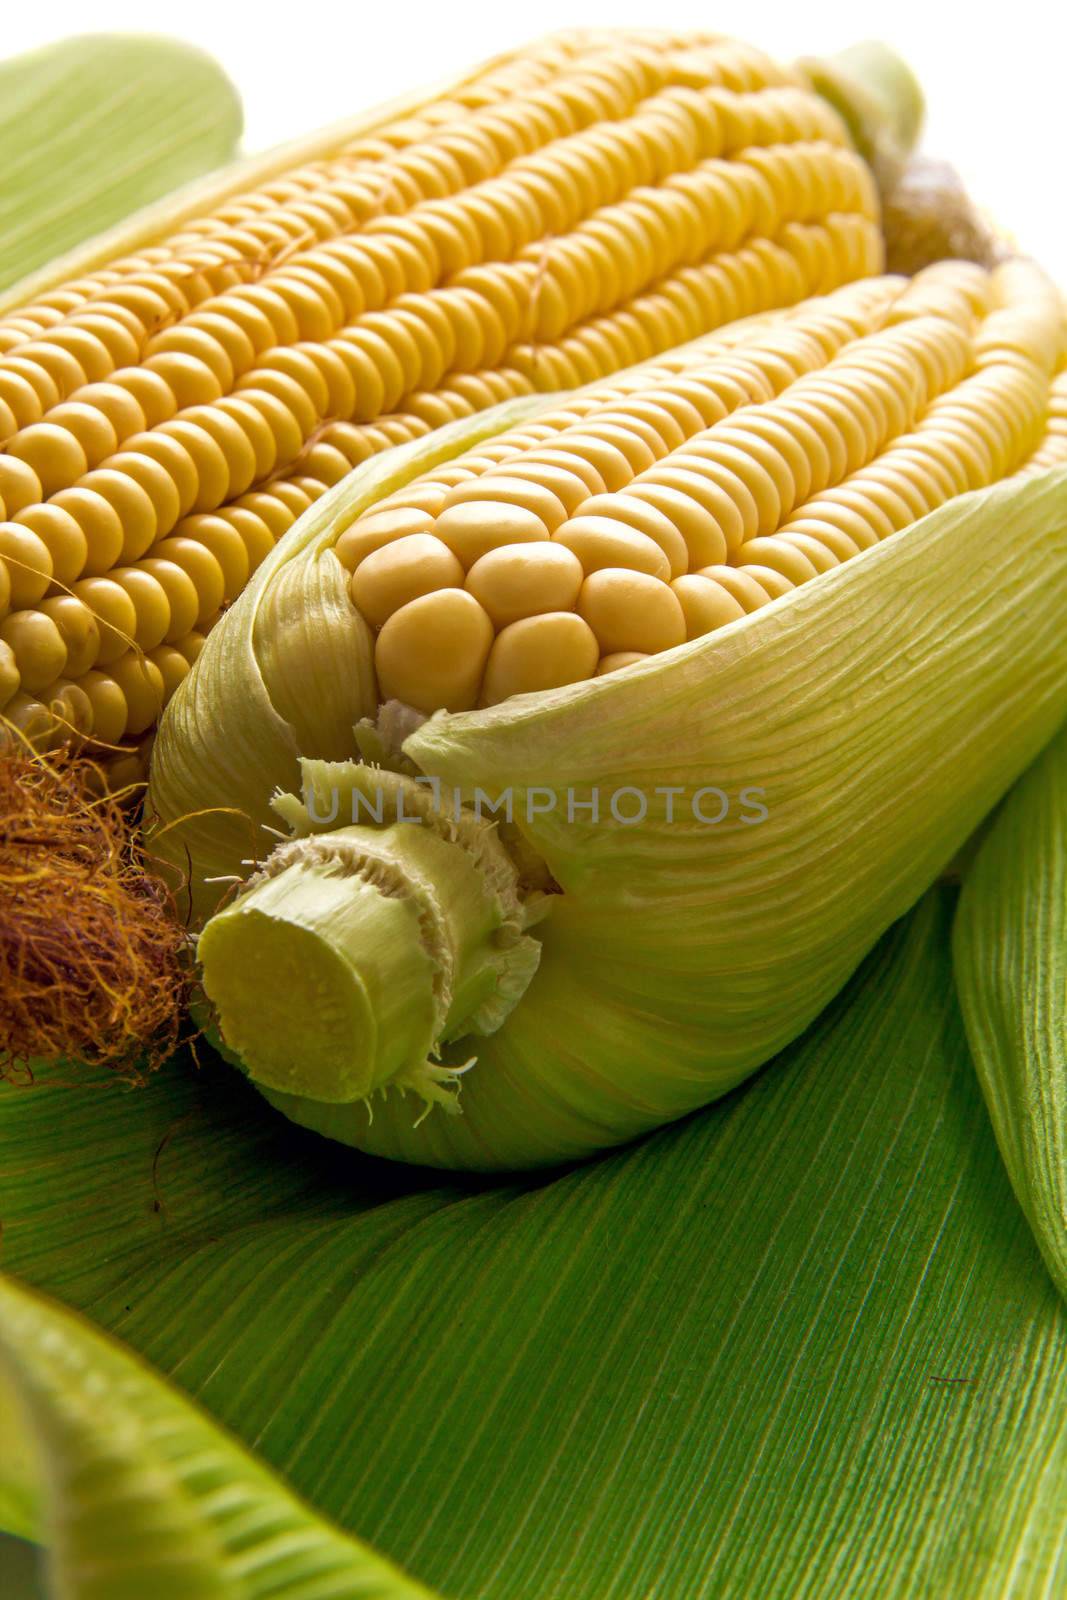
(141, 1494)
(799, 1346)
(881, 710)
(1010, 944)
(93, 128)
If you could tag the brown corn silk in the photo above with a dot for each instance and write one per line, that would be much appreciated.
(91, 951)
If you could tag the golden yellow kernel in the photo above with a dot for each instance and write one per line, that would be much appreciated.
(231, 437)
(379, 528)
(836, 528)
(257, 432)
(618, 659)
(825, 549)
(38, 647)
(100, 524)
(58, 364)
(190, 380)
(156, 482)
(19, 486)
(537, 653)
(133, 504)
(53, 454)
(432, 652)
(520, 580)
(36, 377)
(183, 602)
(70, 707)
(269, 509)
(223, 542)
(118, 406)
(90, 427)
(175, 460)
(401, 571)
(21, 400)
(774, 584)
(327, 464)
(630, 610)
(78, 629)
(604, 542)
(29, 719)
(706, 604)
(253, 533)
(152, 393)
(115, 614)
(9, 674)
(472, 528)
(716, 487)
(643, 518)
(141, 683)
(781, 556)
(173, 667)
(521, 492)
(706, 518)
(28, 564)
(287, 395)
(560, 459)
(62, 537)
(191, 646)
(605, 456)
(193, 341)
(108, 703)
(150, 603)
(744, 588)
(98, 343)
(208, 460)
(566, 487)
(202, 566)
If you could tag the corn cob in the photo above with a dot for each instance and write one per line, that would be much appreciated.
(805, 560)
(166, 416)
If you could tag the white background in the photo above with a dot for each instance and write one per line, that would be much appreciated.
(995, 80)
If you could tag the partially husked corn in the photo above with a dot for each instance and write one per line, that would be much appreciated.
(573, 210)
(675, 500)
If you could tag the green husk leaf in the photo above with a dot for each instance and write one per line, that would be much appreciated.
(1010, 944)
(798, 1345)
(144, 1495)
(93, 128)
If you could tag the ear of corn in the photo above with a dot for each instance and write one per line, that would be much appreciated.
(168, 413)
(818, 574)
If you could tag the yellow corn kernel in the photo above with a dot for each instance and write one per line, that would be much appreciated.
(402, 571)
(37, 646)
(539, 652)
(9, 674)
(26, 564)
(79, 630)
(522, 580)
(432, 652)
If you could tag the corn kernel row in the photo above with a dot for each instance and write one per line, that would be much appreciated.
(657, 508)
(576, 209)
